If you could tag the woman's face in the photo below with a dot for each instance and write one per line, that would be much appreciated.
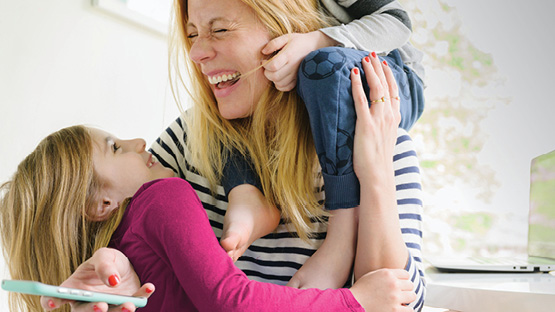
(227, 39)
(124, 164)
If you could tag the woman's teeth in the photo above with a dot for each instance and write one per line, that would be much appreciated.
(222, 78)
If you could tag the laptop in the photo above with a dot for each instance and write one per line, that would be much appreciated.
(541, 230)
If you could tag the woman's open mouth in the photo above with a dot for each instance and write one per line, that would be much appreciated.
(225, 80)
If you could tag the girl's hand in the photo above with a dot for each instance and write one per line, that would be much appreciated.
(109, 271)
(384, 290)
(290, 50)
(376, 127)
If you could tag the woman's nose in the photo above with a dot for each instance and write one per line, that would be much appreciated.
(202, 50)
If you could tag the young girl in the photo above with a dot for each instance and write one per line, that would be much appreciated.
(379, 26)
(82, 188)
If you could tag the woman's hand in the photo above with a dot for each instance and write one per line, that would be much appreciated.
(376, 127)
(109, 271)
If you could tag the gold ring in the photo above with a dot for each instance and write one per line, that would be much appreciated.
(395, 98)
(377, 101)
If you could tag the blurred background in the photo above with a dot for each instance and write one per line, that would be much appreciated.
(488, 113)
(488, 107)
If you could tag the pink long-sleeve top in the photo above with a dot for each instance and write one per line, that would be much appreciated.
(166, 235)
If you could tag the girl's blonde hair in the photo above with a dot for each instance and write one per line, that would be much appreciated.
(276, 138)
(45, 232)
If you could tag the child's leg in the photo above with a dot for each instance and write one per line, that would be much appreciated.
(411, 90)
(325, 86)
(249, 216)
(330, 265)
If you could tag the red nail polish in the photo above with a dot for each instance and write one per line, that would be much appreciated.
(97, 309)
(367, 59)
(373, 54)
(355, 71)
(113, 280)
(385, 63)
(125, 310)
(51, 303)
(149, 290)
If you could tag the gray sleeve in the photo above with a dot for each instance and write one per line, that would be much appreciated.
(370, 25)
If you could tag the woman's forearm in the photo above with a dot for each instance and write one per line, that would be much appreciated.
(393, 237)
(380, 243)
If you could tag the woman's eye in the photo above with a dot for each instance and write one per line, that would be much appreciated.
(221, 30)
(115, 147)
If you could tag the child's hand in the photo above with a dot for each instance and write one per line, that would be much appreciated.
(384, 290)
(248, 217)
(291, 50)
(109, 271)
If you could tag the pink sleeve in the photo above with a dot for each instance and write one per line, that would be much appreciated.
(207, 274)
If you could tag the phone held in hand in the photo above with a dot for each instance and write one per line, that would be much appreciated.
(40, 289)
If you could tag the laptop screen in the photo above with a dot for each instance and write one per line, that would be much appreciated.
(541, 232)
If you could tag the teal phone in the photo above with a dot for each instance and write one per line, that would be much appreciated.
(40, 289)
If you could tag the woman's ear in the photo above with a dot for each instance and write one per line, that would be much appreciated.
(103, 209)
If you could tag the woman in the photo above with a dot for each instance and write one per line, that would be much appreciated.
(271, 127)
(106, 187)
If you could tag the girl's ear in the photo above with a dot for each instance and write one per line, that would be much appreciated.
(103, 209)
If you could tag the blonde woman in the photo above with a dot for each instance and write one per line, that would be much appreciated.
(83, 187)
(235, 107)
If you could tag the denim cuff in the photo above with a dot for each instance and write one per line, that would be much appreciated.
(342, 192)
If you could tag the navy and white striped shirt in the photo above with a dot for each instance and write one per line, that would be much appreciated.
(276, 257)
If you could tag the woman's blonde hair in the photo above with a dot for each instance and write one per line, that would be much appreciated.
(45, 232)
(276, 138)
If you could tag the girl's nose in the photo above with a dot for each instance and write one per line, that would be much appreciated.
(135, 145)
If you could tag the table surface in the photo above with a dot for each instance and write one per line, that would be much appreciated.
(469, 292)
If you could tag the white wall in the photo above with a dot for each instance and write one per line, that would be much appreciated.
(63, 62)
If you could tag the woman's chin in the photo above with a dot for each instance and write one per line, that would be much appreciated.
(231, 113)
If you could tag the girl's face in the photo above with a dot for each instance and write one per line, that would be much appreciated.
(227, 39)
(124, 165)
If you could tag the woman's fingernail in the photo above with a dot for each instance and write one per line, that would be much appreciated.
(367, 59)
(113, 280)
(373, 54)
(355, 71)
(125, 310)
(149, 290)
(97, 309)
(385, 63)
(51, 303)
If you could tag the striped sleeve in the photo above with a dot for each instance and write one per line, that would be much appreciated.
(409, 203)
